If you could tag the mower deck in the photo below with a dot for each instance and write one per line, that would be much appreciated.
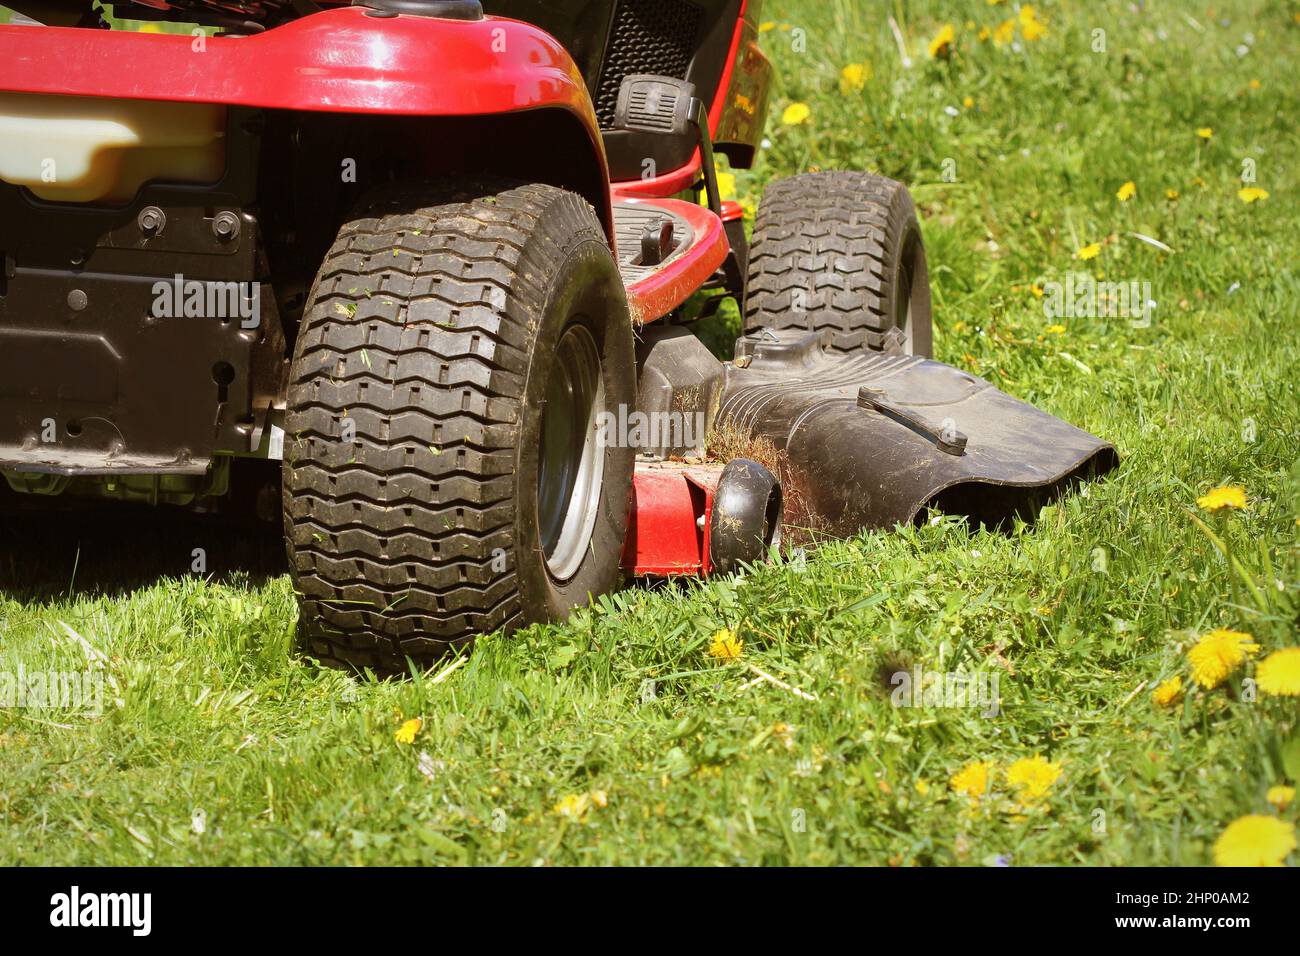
(860, 441)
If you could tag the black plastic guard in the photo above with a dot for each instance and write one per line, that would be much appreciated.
(873, 440)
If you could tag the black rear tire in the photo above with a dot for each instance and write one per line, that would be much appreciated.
(841, 252)
(430, 339)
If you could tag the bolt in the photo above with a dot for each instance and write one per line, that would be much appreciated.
(151, 220)
(226, 226)
(77, 300)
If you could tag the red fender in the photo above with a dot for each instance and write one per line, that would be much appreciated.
(339, 60)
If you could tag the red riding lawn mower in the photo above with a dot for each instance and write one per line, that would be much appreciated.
(433, 257)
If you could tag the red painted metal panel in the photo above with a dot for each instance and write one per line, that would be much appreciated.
(338, 61)
(672, 504)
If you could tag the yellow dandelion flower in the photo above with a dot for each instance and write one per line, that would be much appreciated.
(1090, 251)
(1127, 191)
(968, 102)
(1171, 193)
(854, 77)
(984, 34)
(1168, 692)
(1250, 194)
(1255, 840)
(1036, 290)
(726, 646)
(1004, 33)
(795, 114)
(1218, 654)
(922, 788)
(1032, 778)
(726, 185)
(1031, 28)
(576, 805)
(406, 733)
(972, 779)
(1279, 673)
(1055, 329)
(573, 806)
(1205, 132)
(1254, 84)
(767, 26)
(941, 45)
(1232, 497)
(1280, 796)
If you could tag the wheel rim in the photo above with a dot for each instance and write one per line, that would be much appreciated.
(571, 464)
(903, 302)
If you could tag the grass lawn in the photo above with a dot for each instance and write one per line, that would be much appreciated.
(616, 738)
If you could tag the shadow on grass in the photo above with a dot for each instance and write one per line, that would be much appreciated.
(53, 550)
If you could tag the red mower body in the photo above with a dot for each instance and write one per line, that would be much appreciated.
(440, 93)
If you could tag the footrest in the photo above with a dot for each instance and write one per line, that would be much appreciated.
(698, 246)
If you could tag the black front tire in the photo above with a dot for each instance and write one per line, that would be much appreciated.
(841, 253)
(417, 396)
